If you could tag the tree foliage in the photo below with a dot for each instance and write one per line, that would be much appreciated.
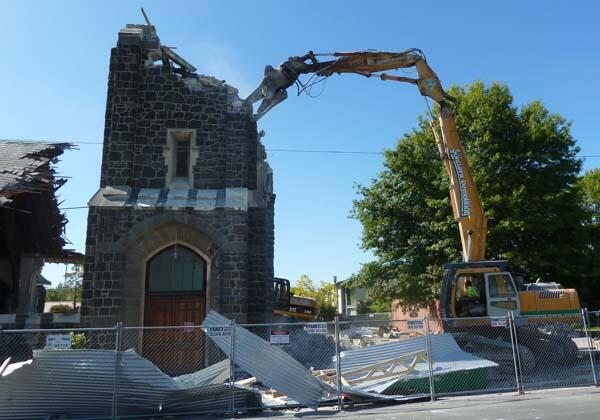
(60, 293)
(590, 189)
(74, 280)
(70, 289)
(525, 167)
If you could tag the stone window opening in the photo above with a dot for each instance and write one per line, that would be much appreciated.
(182, 158)
(180, 155)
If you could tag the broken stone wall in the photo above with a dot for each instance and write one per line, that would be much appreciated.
(146, 100)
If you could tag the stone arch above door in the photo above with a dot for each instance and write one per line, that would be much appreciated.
(146, 238)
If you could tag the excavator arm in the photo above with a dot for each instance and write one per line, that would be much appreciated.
(465, 200)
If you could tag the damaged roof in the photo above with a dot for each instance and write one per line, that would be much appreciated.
(22, 165)
(31, 220)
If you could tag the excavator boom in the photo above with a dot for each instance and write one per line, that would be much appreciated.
(465, 200)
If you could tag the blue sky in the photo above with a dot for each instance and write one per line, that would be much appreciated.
(55, 64)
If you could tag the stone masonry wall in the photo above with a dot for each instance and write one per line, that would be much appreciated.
(240, 278)
(143, 102)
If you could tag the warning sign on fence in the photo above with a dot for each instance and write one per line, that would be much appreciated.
(498, 321)
(58, 342)
(224, 331)
(415, 324)
(280, 337)
(316, 328)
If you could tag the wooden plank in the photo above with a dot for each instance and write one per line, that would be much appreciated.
(377, 371)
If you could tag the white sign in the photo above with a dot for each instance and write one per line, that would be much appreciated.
(224, 331)
(498, 321)
(58, 342)
(415, 324)
(316, 328)
(280, 337)
(465, 203)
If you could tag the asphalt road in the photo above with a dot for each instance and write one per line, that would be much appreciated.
(556, 404)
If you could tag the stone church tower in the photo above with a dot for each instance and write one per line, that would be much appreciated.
(183, 220)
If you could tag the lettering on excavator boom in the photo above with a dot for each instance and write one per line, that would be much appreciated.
(465, 202)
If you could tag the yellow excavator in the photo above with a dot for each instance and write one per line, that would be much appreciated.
(289, 306)
(497, 292)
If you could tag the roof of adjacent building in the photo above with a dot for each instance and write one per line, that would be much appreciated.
(23, 164)
(28, 194)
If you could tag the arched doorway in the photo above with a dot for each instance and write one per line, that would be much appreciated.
(175, 295)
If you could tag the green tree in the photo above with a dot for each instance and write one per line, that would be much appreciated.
(590, 189)
(304, 287)
(60, 293)
(73, 281)
(525, 166)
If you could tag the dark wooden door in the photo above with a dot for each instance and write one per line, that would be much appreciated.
(175, 300)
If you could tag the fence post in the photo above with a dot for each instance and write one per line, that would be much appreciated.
(514, 351)
(516, 355)
(338, 364)
(232, 365)
(118, 345)
(429, 358)
(586, 328)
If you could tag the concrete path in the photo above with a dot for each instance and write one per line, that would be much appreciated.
(556, 404)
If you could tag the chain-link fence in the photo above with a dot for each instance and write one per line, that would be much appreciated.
(477, 355)
(592, 320)
(225, 368)
(37, 382)
(558, 351)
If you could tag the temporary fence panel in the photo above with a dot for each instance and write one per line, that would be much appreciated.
(478, 356)
(592, 319)
(271, 365)
(555, 343)
(53, 373)
(383, 359)
(183, 372)
(590, 344)
(299, 357)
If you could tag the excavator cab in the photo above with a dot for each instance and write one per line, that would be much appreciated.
(281, 292)
(478, 289)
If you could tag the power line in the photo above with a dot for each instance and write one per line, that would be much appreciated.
(324, 151)
(347, 152)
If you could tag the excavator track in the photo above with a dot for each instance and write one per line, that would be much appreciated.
(536, 348)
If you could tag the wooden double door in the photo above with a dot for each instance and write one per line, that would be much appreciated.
(174, 308)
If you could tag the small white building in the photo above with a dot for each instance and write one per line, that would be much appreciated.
(348, 298)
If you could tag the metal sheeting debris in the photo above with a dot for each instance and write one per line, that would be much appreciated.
(214, 374)
(447, 357)
(80, 383)
(270, 365)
